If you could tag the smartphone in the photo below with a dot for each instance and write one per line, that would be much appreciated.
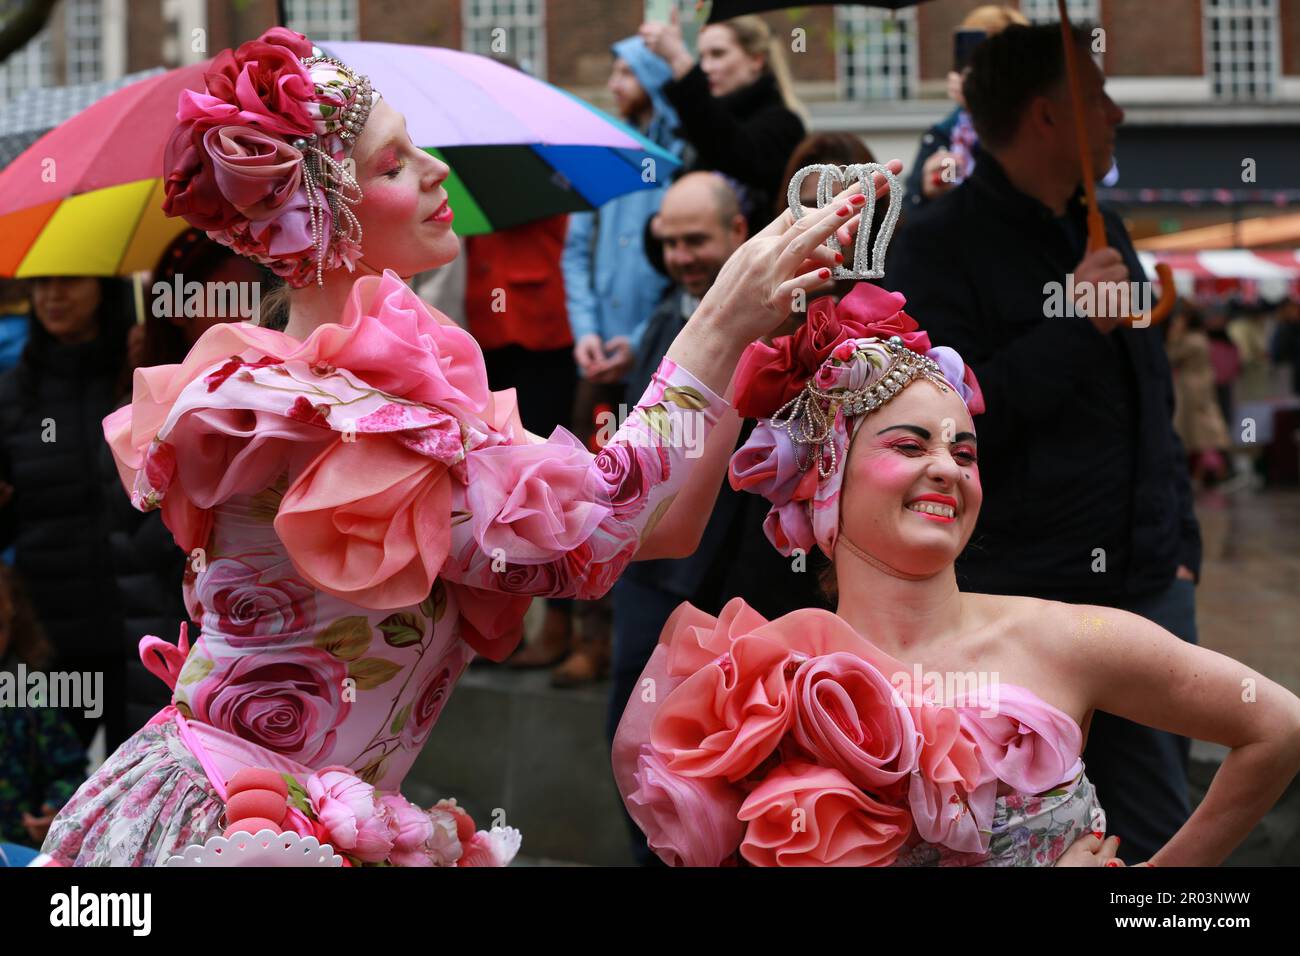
(963, 45)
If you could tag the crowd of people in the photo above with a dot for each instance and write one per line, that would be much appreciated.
(1115, 420)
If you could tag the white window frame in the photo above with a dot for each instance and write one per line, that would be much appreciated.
(858, 33)
(524, 22)
(32, 66)
(1257, 81)
(1046, 11)
(324, 20)
(83, 41)
(1079, 11)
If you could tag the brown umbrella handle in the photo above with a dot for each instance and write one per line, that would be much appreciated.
(1096, 227)
(1165, 304)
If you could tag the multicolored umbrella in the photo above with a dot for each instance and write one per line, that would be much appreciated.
(29, 116)
(86, 198)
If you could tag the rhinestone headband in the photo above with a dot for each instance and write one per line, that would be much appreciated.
(834, 179)
(353, 117)
(322, 169)
(809, 418)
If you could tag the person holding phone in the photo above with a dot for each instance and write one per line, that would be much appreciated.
(945, 158)
(736, 106)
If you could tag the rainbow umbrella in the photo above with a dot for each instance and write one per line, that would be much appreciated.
(86, 198)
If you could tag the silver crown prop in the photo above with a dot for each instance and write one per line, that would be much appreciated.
(834, 179)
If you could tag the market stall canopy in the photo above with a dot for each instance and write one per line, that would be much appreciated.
(1214, 275)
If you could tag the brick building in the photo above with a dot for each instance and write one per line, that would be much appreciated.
(1206, 84)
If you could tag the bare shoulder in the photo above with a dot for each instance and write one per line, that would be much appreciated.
(1051, 629)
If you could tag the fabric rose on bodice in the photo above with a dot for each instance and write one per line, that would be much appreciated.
(952, 793)
(691, 821)
(726, 718)
(848, 716)
(807, 815)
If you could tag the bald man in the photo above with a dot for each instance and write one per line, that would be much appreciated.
(699, 225)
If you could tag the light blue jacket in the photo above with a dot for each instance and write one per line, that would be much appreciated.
(610, 286)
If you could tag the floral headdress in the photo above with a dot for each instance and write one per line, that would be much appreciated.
(260, 159)
(812, 389)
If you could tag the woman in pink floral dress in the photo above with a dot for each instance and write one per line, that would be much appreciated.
(362, 514)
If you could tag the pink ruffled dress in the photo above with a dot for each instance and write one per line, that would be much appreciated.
(796, 742)
(362, 516)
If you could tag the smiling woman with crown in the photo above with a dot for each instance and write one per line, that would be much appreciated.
(917, 725)
(363, 515)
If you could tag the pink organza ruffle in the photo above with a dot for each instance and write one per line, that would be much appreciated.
(375, 535)
(803, 714)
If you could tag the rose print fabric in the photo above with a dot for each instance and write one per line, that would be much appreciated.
(741, 726)
(364, 515)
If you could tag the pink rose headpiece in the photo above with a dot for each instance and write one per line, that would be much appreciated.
(812, 389)
(260, 159)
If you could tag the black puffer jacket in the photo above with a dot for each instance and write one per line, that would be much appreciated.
(748, 135)
(52, 404)
(148, 568)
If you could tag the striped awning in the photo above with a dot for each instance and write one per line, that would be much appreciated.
(1250, 274)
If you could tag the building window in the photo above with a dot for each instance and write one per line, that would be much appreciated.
(507, 28)
(875, 53)
(1046, 11)
(84, 28)
(27, 68)
(323, 20)
(1241, 48)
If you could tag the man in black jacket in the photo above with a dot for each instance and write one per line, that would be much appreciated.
(1086, 493)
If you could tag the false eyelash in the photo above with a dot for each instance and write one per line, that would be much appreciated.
(392, 173)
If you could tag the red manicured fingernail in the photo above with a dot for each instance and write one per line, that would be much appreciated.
(1111, 863)
(858, 200)
(825, 273)
(843, 211)
(839, 257)
(1117, 841)
(1098, 834)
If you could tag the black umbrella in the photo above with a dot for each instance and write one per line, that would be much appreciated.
(726, 9)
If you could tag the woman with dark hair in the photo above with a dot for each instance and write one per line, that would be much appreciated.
(70, 375)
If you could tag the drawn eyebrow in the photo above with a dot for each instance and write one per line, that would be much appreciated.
(915, 429)
(924, 433)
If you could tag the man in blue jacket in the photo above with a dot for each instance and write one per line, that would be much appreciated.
(610, 290)
(1086, 492)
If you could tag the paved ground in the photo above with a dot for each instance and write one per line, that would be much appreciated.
(1248, 607)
